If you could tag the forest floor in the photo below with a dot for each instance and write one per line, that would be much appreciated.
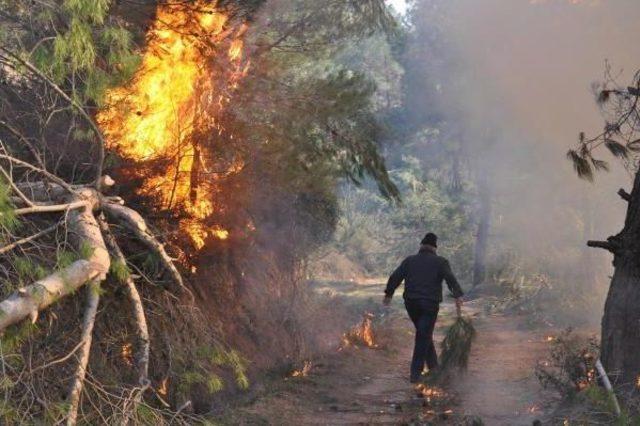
(360, 385)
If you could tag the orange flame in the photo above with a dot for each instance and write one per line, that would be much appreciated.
(126, 353)
(304, 371)
(361, 334)
(157, 115)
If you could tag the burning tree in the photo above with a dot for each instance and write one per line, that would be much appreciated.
(78, 98)
(55, 82)
(620, 342)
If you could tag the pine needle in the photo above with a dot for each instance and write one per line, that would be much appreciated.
(456, 348)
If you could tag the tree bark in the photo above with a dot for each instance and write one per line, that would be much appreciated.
(620, 340)
(482, 234)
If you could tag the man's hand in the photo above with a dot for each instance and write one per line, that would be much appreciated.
(387, 300)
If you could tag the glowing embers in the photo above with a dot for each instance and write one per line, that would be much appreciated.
(172, 106)
(361, 335)
(304, 371)
(437, 402)
(126, 353)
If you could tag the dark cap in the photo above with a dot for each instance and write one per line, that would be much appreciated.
(430, 239)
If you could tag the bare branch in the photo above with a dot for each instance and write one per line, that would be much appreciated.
(136, 223)
(607, 245)
(25, 141)
(15, 244)
(624, 194)
(34, 70)
(19, 193)
(45, 173)
(138, 309)
(93, 298)
(50, 208)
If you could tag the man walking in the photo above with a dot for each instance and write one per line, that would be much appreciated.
(423, 274)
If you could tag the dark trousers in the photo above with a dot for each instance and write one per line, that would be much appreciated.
(423, 313)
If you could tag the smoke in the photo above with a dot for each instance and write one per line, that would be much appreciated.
(518, 83)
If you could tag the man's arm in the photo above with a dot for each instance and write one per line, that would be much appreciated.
(451, 280)
(396, 279)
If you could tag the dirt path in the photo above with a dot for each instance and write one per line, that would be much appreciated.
(370, 386)
(500, 386)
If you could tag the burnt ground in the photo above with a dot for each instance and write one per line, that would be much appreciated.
(360, 385)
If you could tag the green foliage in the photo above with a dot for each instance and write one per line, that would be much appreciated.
(83, 134)
(308, 108)
(151, 262)
(600, 401)
(456, 346)
(377, 235)
(119, 270)
(57, 411)
(76, 46)
(79, 48)
(94, 11)
(85, 251)
(15, 336)
(65, 258)
(8, 219)
(9, 413)
(620, 134)
(221, 357)
(146, 415)
(211, 381)
(6, 383)
(27, 270)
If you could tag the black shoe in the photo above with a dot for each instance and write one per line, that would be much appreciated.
(415, 379)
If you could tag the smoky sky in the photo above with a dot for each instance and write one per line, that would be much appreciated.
(523, 73)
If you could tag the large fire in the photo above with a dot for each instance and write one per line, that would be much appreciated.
(171, 103)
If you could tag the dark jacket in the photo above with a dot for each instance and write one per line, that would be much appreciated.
(423, 274)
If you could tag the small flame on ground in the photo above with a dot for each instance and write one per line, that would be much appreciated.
(431, 392)
(126, 352)
(304, 371)
(163, 389)
(362, 334)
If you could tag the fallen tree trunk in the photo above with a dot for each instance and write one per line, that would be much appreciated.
(84, 229)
